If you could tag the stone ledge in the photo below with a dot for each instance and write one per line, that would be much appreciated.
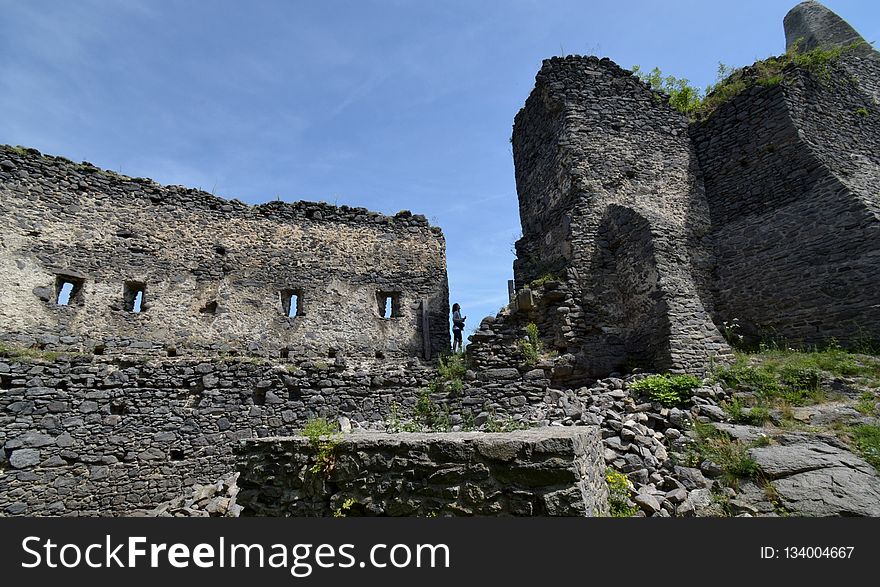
(553, 471)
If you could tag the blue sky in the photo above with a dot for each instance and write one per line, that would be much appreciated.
(385, 104)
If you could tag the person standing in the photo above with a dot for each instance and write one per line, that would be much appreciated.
(457, 327)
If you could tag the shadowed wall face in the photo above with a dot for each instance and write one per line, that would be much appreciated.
(150, 266)
(791, 173)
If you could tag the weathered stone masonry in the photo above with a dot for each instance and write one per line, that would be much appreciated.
(613, 209)
(88, 435)
(551, 471)
(215, 274)
(791, 176)
(92, 435)
(647, 233)
(148, 402)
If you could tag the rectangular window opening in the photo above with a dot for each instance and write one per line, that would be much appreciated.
(209, 308)
(133, 296)
(68, 290)
(389, 304)
(292, 302)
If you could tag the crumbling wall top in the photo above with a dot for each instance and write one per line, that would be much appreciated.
(15, 160)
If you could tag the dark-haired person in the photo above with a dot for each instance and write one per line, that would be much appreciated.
(457, 327)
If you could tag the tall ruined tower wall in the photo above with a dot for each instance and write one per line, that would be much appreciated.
(791, 174)
(654, 232)
(215, 274)
(611, 201)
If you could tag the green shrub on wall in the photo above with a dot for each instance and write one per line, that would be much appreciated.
(731, 81)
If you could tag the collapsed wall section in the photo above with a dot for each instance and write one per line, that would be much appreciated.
(95, 260)
(552, 471)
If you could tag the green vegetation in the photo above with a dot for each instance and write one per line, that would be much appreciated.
(729, 82)
(394, 423)
(682, 96)
(531, 346)
(450, 371)
(427, 417)
(243, 359)
(862, 112)
(345, 509)
(731, 333)
(324, 439)
(784, 377)
(867, 404)
(430, 417)
(618, 494)
(867, 440)
(543, 280)
(32, 354)
(741, 414)
(468, 422)
(507, 424)
(731, 455)
(669, 390)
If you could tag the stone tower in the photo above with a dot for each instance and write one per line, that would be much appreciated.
(645, 233)
(611, 202)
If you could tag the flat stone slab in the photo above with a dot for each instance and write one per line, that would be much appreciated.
(828, 413)
(552, 471)
(815, 478)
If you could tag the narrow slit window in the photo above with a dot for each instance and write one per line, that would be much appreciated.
(64, 294)
(292, 303)
(134, 296)
(389, 304)
(68, 290)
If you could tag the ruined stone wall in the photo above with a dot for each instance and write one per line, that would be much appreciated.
(540, 472)
(791, 173)
(216, 274)
(839, 115)
(643, 234)
(602, 163)
(86, 435)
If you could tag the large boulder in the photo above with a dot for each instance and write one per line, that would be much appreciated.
(812, 477)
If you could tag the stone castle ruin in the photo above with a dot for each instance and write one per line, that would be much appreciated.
(158, 337)
(211, 274)
(656, 232)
